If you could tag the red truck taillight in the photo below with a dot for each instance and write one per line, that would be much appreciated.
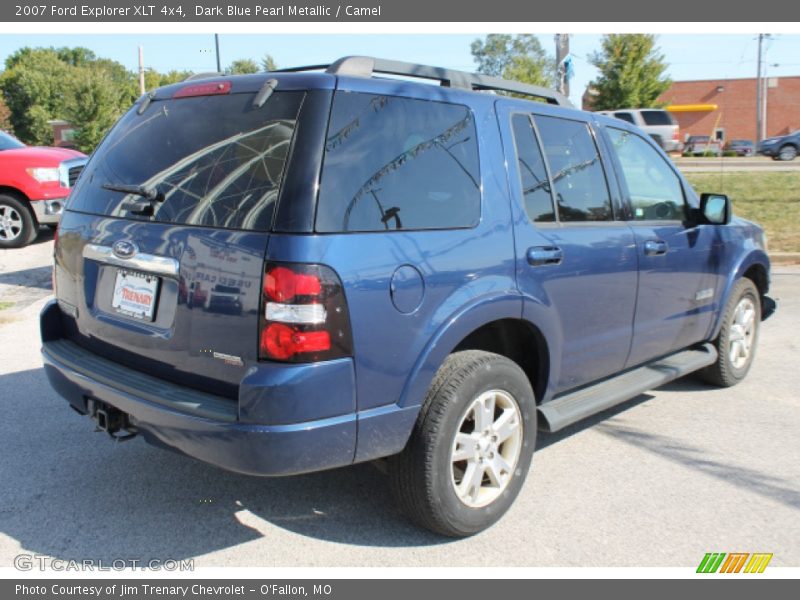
(304, 316)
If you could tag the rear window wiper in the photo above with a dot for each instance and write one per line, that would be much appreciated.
(151, 194)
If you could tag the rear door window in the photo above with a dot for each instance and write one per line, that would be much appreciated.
(214, 160)
(398, 164)
(532, 172)
(578, 178)
(657, 117)
(625, 116)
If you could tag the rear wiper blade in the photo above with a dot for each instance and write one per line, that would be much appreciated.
(151, 194)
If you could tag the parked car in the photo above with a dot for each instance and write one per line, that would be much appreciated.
(742, 147)
(442, 272)
(34, 185)
(702, 145)
(657, 123)
(225, 299)
(781, 148)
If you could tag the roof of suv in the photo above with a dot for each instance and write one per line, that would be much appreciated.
(309, 77)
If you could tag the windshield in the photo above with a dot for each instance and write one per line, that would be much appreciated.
(9, 142)
(212, 161)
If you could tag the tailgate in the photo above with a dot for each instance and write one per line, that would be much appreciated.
(161, 250)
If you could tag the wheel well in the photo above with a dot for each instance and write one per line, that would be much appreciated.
(519, 341)
(4, 189)
(758, 275)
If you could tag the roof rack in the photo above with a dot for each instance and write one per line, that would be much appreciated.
(206, 75)
(367, 66)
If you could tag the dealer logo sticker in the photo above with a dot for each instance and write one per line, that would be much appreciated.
(734, 562)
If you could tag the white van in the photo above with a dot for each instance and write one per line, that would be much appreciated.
(657, 123)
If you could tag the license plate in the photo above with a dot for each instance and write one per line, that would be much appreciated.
(135, 295)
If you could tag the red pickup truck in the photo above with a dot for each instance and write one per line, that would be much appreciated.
(34, 185)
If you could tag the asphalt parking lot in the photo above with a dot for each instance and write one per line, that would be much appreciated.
(660, 481)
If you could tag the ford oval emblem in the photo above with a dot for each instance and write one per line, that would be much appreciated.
(125, 249)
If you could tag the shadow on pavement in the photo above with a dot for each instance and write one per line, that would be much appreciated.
(36, 277)
(71, 493)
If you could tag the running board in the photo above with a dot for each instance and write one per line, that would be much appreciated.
(568, 409)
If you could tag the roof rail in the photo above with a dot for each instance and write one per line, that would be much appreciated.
(367, 66)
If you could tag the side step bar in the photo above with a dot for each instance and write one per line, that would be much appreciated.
(574, 406)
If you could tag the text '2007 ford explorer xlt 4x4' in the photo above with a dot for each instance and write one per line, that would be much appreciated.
(424, 273)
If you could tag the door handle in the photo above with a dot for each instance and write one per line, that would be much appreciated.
(655, 247)
(544, 255)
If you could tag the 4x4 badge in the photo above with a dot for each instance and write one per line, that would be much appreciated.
(125, 249)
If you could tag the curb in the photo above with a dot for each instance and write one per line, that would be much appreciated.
(785, 258)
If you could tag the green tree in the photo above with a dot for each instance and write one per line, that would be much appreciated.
(243, 66)
(268, 63)
(519, 57)
(96, 104)
(34, 86)
(154, 79)
(5, 117)
(43, 84)
(632, 72)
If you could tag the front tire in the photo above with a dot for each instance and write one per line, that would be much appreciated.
(471, 447)
(738, 337)
(18, 226)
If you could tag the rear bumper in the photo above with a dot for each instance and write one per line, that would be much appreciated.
(210, 428)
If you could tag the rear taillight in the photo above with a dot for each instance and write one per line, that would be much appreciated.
(304, 315)
(676, 136)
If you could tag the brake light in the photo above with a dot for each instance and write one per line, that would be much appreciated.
(676, 135)
(283, 284)
(203, 89)
(304, 316)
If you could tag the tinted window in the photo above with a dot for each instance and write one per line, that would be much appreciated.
(9, 142)
(396, 163)
(578, 177)
(532, 172)
(654, 188)
(625, 117)
(657, 117)
(217, 160)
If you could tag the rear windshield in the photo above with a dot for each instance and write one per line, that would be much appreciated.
(657, 117)
(213, 161)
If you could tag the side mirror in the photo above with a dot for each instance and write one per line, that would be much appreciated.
(715, 209)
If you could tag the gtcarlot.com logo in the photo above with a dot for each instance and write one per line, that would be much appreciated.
(38, 562)
(734, 562)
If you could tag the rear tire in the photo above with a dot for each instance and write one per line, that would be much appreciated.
(738, 337)
(471, 447)
(18, 226)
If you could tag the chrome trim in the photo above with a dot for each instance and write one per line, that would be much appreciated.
(149, 263)
(65, 166)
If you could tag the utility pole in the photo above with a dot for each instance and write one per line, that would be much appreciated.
(216, 43)
(758, 89)
(141, 71)
(562, 52)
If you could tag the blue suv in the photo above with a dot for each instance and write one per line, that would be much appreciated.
(295, 271)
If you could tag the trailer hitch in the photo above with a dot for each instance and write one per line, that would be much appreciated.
(111, 420)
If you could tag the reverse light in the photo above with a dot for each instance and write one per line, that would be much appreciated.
(307, 314)
(304, 315)
(44, 174)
